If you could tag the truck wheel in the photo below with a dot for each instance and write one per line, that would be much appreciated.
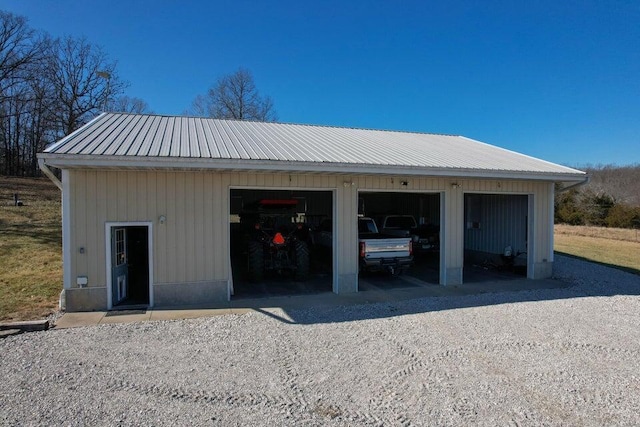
(255, 263)
(302, 261)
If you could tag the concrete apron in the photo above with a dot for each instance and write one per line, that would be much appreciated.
(327, 299)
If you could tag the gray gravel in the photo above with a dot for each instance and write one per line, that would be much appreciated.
(567, 356)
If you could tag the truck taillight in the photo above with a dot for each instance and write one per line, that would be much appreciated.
(363, 249)
(410, 247)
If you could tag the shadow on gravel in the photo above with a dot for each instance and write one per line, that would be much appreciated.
(276, 316)
(428, 304)
(400, 302)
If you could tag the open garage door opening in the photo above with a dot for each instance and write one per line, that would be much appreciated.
(408, 215)
(281, 242)
(496, 234)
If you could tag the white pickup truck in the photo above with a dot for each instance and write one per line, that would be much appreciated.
(382, 253)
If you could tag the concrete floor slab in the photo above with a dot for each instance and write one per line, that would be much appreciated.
(74, 320)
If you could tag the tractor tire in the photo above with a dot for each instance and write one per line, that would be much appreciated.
(255, 261)
(302, 261)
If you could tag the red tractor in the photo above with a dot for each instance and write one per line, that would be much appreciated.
(277, 242)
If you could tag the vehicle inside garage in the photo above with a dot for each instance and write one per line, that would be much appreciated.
(495, 236)
(414, 215)
(281, 242)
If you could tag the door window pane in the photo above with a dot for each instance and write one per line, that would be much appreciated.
(121, 256)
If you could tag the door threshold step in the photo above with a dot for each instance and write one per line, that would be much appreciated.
(125, 312)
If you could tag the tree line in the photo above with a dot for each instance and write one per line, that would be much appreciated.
(610, 199)
(49, 87)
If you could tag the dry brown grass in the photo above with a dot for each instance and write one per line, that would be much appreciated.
(612, 246)
(30, 248)
(623, 234)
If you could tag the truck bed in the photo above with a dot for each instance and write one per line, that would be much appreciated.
(379, 252)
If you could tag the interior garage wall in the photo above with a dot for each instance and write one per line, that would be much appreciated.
(494, 221)
(425, 207)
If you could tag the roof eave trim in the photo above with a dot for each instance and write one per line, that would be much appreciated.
(64, 161)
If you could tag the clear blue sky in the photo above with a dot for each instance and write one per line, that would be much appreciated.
(559, 80)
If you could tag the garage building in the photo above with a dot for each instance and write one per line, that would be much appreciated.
(149, 202)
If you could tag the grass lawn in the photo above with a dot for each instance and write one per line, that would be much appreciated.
(30, 249)
(611, 246)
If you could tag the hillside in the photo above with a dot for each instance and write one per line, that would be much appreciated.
(622, 183)
(610, 199)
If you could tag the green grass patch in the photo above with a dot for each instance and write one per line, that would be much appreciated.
(30, 249)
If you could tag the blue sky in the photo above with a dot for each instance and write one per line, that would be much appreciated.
(559, 80)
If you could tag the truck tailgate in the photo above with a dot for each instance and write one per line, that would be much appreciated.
(387, 248)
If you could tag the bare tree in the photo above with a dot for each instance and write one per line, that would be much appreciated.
(24, 95)
(41, 115)
(20, 48)
(127, 104)
(235, 96)
(620, 182)
(84, 80)
(49, 88)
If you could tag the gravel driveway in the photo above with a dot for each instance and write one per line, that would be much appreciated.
(568, 356)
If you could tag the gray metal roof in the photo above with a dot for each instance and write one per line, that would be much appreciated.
(134, 140)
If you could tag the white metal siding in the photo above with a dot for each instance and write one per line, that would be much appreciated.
(189, 247)
(192, 246)
(453, 235)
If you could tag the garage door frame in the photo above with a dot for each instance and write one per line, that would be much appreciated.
(530, 223)
(334, 258)
(441, 196)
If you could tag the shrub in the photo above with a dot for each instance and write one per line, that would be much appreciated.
(623, 216)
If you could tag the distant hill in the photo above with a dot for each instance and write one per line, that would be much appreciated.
(621, 183)
(610, 199)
